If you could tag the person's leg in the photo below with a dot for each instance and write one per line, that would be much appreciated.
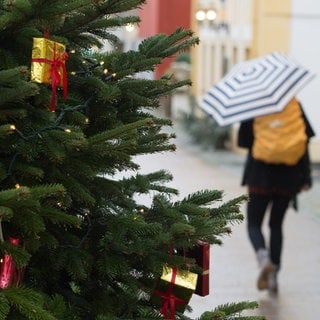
(278, 210)
(256, 209)
(277, 213)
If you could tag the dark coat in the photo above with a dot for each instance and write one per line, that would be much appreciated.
(260, 175)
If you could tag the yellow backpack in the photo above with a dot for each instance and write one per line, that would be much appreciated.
(280, 138)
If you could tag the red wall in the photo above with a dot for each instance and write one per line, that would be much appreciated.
(149, 19)
(164, 16)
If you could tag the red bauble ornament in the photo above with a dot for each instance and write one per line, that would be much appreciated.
(9, 274)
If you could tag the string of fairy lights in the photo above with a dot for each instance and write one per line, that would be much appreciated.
(83, 213)
(90, 64)
(12, 129)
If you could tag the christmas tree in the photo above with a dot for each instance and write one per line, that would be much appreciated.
(75, 241)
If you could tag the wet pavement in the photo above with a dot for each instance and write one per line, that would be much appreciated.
(233, 267)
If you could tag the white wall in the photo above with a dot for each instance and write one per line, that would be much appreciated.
(305, 47)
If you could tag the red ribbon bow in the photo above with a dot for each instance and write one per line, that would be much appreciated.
(56, 64)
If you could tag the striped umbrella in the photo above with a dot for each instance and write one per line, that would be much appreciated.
(254, 88)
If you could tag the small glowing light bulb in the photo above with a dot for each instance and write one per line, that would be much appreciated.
(130, 27)
(200, 15)
(211, 15)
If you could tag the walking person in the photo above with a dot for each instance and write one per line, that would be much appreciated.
(272, 188)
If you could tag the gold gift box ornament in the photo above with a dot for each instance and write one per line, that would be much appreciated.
(174, 290)
(48, 66)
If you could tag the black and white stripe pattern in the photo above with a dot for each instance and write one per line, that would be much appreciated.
(254, 88)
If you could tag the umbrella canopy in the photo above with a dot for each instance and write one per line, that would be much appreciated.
(254, 88)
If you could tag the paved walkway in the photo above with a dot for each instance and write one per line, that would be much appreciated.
(233, 268)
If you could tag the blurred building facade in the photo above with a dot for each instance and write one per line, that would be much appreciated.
(164, 16)
(232, 31)
(244, 29)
